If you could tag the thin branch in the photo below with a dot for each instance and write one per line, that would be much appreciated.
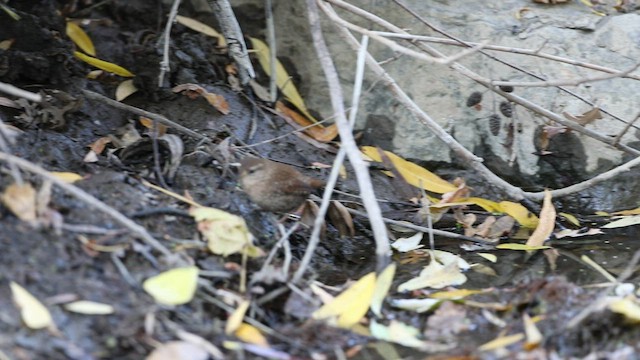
(509, 49)
(383, 250)
(15, 91)
(91, 201)
(271, 40)
(153, 116)
(164, 64)
(235, 39)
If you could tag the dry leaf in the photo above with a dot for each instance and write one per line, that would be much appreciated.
(125, 89)
(148, 123)
(225, 233)
(352, 304)
(436, 276)
(341, 218)
(547, 222)
(383, 284)
(586, 118)
(193, 91)
(235, 319)
(201, 28)
(89, 308)
(178, 350)
(318, 132)
(251, 335)
(33, 313)
(398, 333)
(21, 201)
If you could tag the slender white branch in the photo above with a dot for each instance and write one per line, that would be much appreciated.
(15, 91)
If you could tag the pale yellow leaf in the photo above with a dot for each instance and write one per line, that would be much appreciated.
(398, 333)
(624, 222)
(352, 304)
(80, 38)
(533, 335)
(501, 342)
(251, 335)
(201, 28)
(413, 174)
(417, 305)
(225, 233)
(235, 319)
(67, 177)
(628, 307)
(173, 287)
(635, 211)
(546, 224)
(408, 243)
(21, 201)
(125, 89)
(33, 313)
(487, 205)
(383, 284)
(104, 65)
(570, 218)
(516, 246)
(178, 350)
(489, 257)
(436, 276)
(456, 294)
(283, 80)
(89, 308)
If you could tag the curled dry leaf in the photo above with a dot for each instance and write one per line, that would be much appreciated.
(586, 118)
(125, 89)
(194, 90)
(341, 218)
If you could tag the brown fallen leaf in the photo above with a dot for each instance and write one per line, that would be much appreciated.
(193, 91)
(546, 223)
(585, 118)
(318, 132)
(21, 201)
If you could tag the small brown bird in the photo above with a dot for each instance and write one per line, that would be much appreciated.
(275, 187)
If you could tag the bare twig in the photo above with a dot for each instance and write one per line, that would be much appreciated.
(5, 138)
(271, 40)
(164, 64)
(12, 90)
(91, 201)
(383, 250)
(153, 116)
(235, 40)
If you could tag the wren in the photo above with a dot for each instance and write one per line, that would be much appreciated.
(275, 187)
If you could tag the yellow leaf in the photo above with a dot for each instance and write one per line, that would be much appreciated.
(201, 28)
(635, 211)
(489, 257)
(33, 313)
(534, 336)
(570, 218)
(125, 89)
(67, 177)
(516, 246)
(80, 38)
(21, 200)
(225, 233)
(104, 65)
(501, 342)
(383, 284)
(398, 333)
(436, 276)
(352, 304)
(487, 205)
(251, 335)
(89, 308)
(546, 224)
(173, 287)
(283, 80)
(454, 294)
(318, 132)
(520, 213)
(413, 174)
(235, 319)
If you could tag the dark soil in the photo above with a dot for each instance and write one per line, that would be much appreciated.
(54, 264)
